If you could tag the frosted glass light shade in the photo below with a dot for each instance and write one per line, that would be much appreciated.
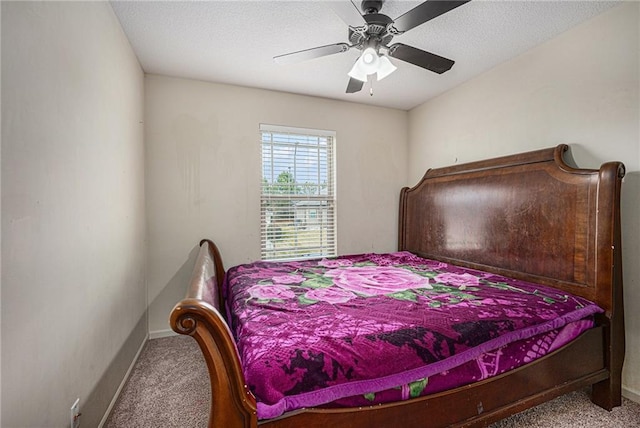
(370, 63)
(385, 68)
(357, 72)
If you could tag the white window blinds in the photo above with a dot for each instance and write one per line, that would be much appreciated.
(298, 204)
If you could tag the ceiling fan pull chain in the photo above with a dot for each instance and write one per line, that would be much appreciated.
(371, 87)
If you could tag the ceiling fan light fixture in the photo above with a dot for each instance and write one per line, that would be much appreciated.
(374, 32)
(385, 67)
(357, 72)
(369, 61)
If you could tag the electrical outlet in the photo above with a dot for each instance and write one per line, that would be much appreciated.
(75, 414)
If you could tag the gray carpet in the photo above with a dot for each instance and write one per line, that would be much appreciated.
(169, 387)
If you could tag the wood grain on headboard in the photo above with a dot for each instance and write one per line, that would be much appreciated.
(529, 216)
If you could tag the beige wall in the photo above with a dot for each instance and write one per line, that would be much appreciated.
(73, 226)
(580, 88)
(203, 174)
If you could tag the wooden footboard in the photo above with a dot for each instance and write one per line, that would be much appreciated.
(534, 205)
(199, 315)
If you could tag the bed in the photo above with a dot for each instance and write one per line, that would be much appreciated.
(530, 224)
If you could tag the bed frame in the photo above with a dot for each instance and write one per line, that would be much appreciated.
(530, 216)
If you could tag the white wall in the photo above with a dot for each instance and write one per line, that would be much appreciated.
(580, 88)
(203, 174)
(73, 225)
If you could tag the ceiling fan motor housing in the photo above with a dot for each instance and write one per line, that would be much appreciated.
(371, 6)
(375, 29)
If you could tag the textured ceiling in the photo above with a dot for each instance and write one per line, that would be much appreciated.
(234, 42)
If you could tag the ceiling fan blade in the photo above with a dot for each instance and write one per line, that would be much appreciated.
(312, 53)
(415, 56)
(424, 12)
(347, 11)
(354, 85)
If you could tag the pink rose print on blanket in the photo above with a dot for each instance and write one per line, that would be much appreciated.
(271, 291)
(335, 263)
(376, 280)
(461, 281)
(288, 279)
(330, 295)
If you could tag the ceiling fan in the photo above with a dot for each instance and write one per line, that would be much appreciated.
(373, 33)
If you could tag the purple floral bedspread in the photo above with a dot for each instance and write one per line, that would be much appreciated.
(371, 328)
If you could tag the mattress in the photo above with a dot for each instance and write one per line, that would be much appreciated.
(373, 328)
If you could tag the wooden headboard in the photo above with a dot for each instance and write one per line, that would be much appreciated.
(529, 216)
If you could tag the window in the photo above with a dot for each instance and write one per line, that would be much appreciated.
(297, 201)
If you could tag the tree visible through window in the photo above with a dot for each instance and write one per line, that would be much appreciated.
(298, 193)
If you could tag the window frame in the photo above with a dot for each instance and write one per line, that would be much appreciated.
(324, 205)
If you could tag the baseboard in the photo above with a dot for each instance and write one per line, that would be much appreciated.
(151, 335)
(124, 381)
(631, 394)
(158, 334)
(100, 400)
